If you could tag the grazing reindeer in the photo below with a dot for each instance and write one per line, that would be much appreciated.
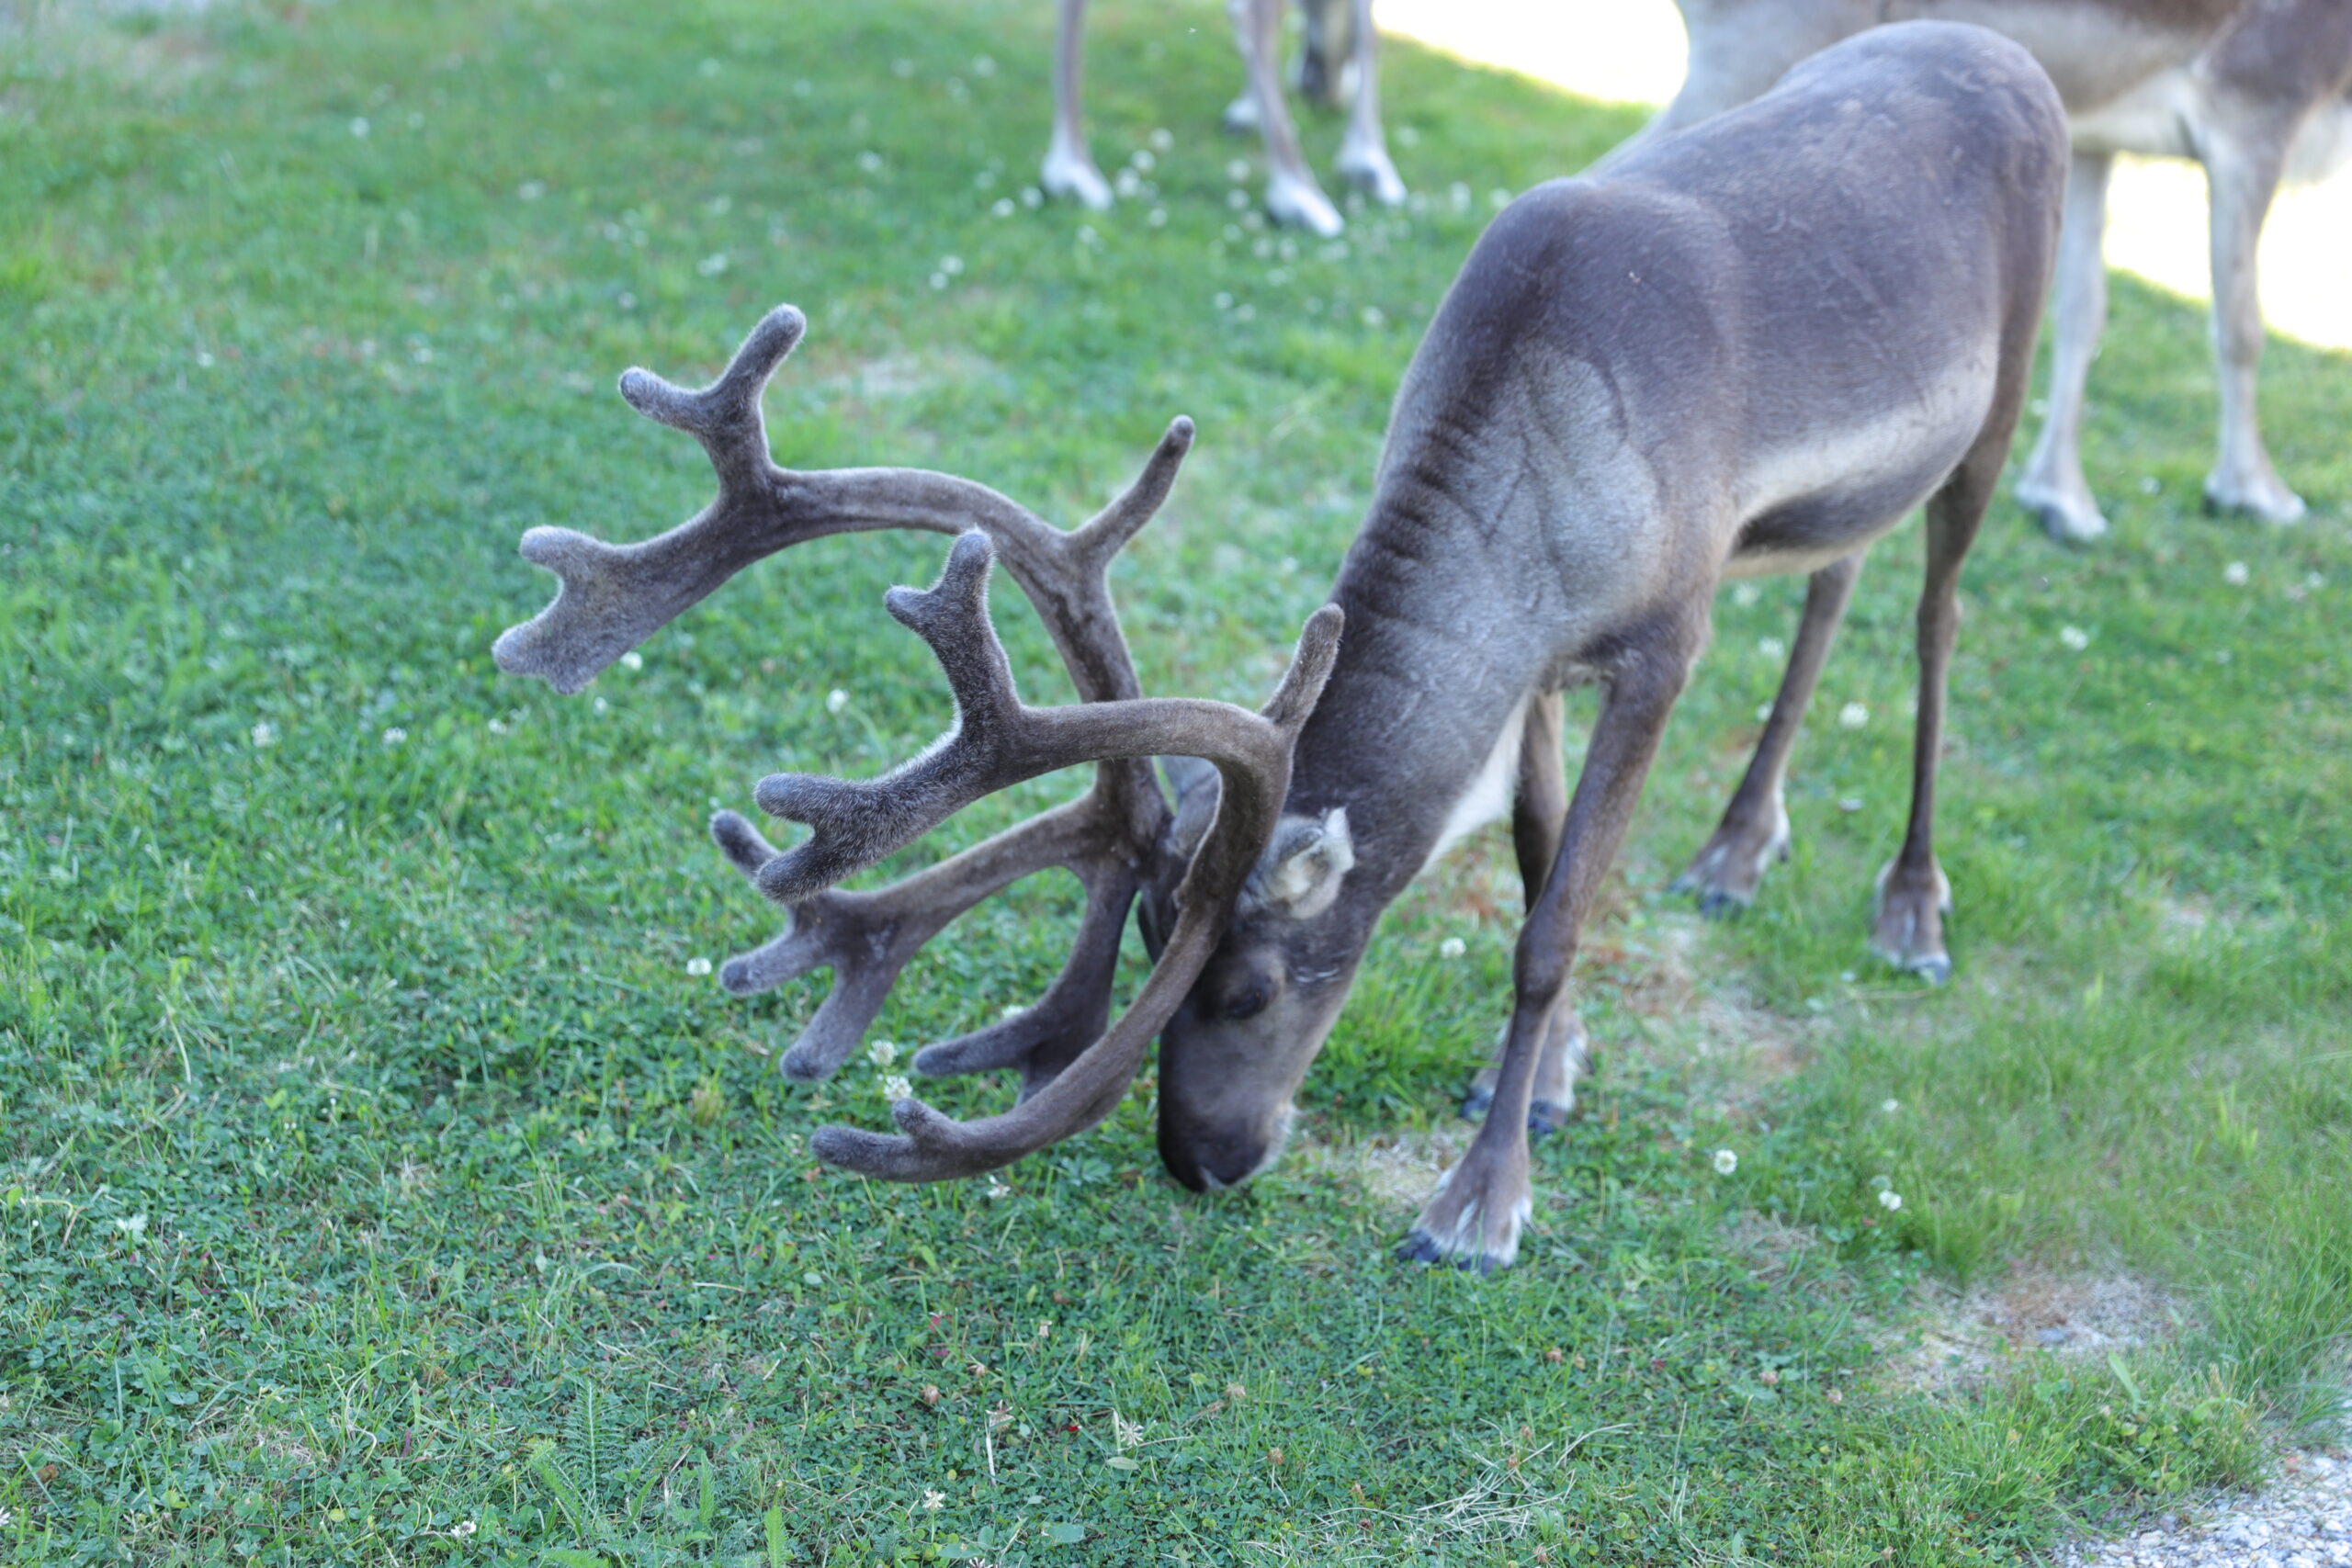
(2253, 89)
(1338, 67)
(1751, 348)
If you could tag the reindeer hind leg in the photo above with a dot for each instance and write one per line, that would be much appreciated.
(1753, 832)
(1913, 895)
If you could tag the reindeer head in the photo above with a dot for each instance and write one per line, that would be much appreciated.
(1233, 1055)
(1118, 839)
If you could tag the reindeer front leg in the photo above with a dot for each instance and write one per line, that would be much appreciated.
(2243, 159)
(2052, 487)
(1475, 1216)
(1069, 168)
(1538, 816)
(1754, 829)
(1364, 150)
(1292, 194)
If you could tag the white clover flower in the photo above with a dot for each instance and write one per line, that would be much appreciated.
(882, 1052)
(1849, 804)
(1127, 184)
(1032, 198)
(1725, 1162)
(1044, 1329)
(1222, 300)
(632, 659)
(1237, 198)
(463, 1528)
(1157, 218)
(998, 1190)
(264, 734)
(498, 726)
(1004, 207)
(1890, 1200)
(2235, 574)
(933, 1499)
(712, 265)
(531, 190)
(1160, 139)
(1853, 715)
(2150, 484)
(952, 265)
(698, 966)
(939, 280)
(1763, 712)
(902, 68)
(1087, 236)
(836, 700)
(601, 706)
(896, 1086)
(2314, 581)
(1236, 171)
(1141, 161)
(1746, 594)
(983, 67)
(1374, 317)
(395, 735)
(2075, 638)
(1453, 947)
(360, 125)
(1457, 196)
(870, 163)
(1773, 648)
(1892, 1106)
(1245, 313)
(1499, 199)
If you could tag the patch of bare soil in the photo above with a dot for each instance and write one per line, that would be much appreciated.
(1961, 1340)
(1394, 1172)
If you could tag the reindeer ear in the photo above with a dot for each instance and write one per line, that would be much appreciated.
(1304, 866)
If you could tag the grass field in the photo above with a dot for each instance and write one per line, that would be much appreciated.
(378, 1185)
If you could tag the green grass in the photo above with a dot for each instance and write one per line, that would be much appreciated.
(371, 1168)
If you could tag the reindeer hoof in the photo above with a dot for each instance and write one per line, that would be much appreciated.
(1422, 1247)
(2264, 497)
(2068, 517)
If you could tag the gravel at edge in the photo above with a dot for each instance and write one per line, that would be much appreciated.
(2304, 1520)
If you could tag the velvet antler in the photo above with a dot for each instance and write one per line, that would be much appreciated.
(1114, 838)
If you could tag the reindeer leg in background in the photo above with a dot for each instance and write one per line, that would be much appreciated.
(1539, 810)
(1913, 896)
(2052, 487)
(1069, 168)
(2243, 157)
(1363, 151)
(1754, 829)
(1292, 194)
(1475, 1217)
(1328, 67)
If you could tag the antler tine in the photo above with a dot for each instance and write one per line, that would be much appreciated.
(613, 597)
(867, 937)
(725, 415)
(1252, 754)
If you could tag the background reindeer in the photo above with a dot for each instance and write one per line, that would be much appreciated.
(1753, 348)
(1338, 66)
(2254, 90)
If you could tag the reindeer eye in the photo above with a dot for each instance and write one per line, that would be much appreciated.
(1246, 1003)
